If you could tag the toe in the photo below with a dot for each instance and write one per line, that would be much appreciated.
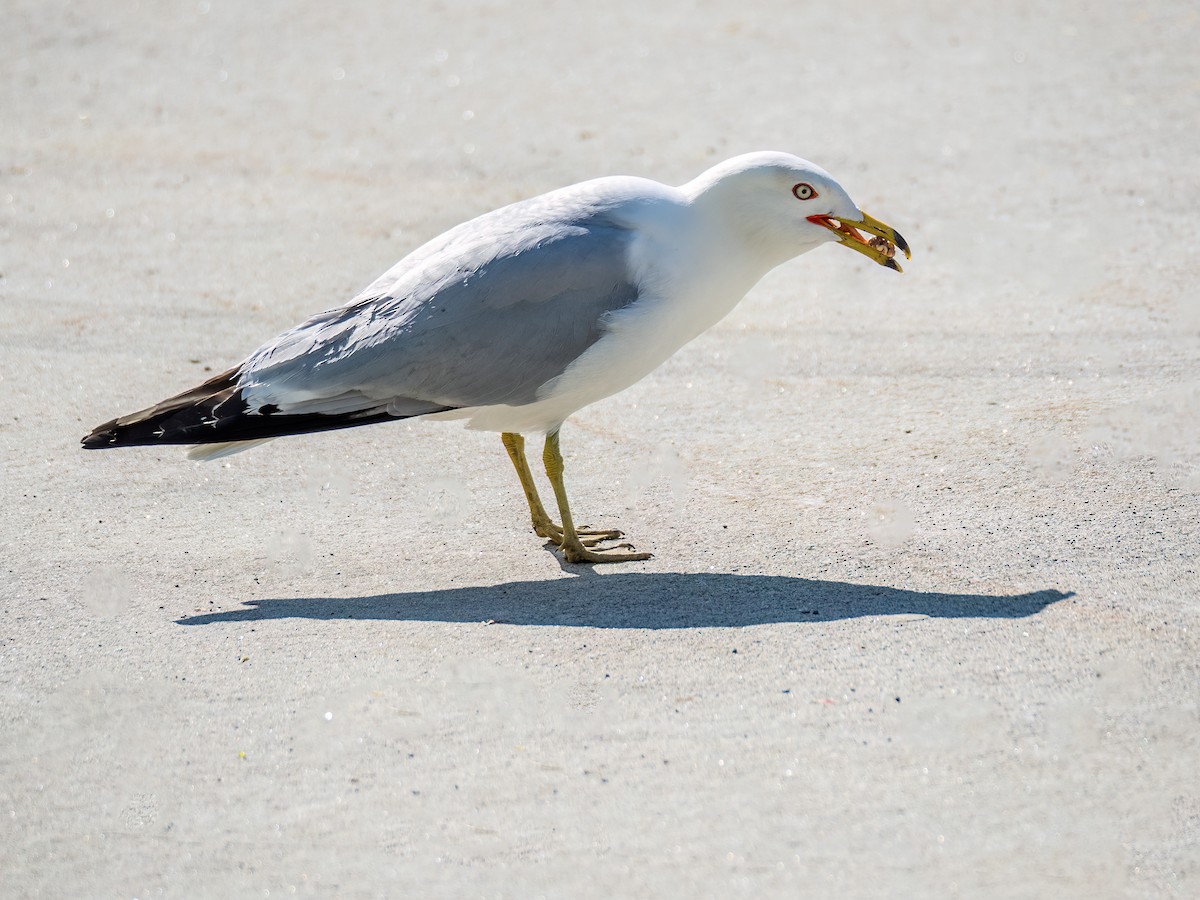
(583, 555)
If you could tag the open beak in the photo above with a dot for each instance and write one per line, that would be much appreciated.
(881, 248)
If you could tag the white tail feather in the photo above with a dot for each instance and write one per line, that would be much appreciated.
(209, 452)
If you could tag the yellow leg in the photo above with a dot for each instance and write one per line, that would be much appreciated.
(543, 525)
(573, 549)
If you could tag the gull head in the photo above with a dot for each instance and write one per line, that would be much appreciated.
(783, 206)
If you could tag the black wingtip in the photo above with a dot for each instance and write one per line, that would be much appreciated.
(97, 441)
(155, 424)
(216, 413)
(102, 436)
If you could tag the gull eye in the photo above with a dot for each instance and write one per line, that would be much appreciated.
(803, 191)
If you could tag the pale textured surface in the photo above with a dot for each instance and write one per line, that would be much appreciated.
(871, 487)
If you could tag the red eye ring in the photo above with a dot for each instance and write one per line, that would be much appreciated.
(803, 191)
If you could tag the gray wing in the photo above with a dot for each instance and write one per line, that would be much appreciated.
(486, 314)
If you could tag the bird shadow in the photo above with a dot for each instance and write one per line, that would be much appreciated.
(646, 601)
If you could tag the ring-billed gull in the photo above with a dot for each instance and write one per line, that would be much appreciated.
(518, 318)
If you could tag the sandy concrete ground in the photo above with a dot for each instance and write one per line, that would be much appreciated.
(923, 615)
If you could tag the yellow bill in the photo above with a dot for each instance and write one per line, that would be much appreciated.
(881, 247)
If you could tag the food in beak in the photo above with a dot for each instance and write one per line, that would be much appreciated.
(881, 247)
(884, 246)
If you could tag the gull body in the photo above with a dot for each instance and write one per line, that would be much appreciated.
(518, 318)
(690, 272)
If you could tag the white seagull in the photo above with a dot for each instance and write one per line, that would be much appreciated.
(518, 318)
